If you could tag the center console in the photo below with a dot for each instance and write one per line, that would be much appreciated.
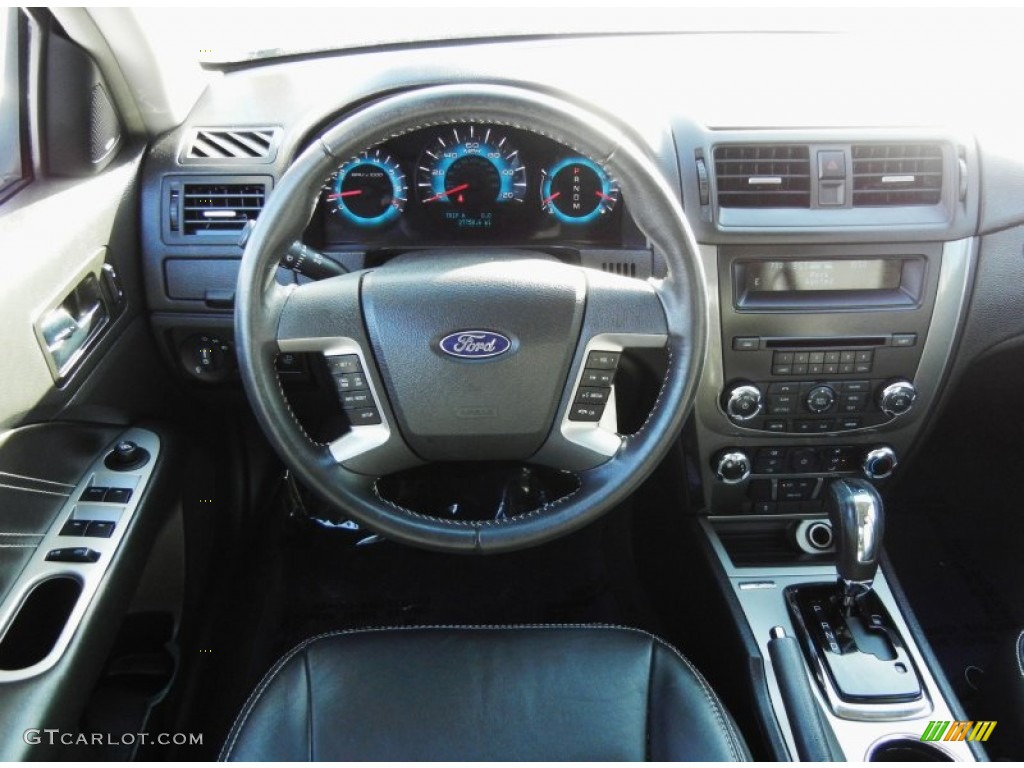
(838, 266)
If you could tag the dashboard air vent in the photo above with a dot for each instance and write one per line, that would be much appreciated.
(219, 209)
(253, 144)
(763, 176)
(897, 174)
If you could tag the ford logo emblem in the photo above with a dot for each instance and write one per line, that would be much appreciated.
(475, 345)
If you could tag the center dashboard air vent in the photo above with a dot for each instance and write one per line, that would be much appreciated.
(763, 175)
(896, 174)
(212, 209)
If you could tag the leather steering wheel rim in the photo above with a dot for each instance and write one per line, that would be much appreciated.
(653, 205)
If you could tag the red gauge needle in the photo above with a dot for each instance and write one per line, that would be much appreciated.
(349, 193)
(447, 192)
(603, 196)
(549, 198)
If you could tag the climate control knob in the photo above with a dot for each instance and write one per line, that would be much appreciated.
(879, 463)
(821, 399)
(732, 467)
(896, 398)
(742, 402)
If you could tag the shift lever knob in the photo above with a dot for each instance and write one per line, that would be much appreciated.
(858, 521)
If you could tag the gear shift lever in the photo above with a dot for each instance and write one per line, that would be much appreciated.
(858, 522)
(850, 639)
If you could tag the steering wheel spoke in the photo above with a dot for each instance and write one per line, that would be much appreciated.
(622, 313)
(325, 318)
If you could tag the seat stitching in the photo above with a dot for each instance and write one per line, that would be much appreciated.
(309, 704)
(251, 702)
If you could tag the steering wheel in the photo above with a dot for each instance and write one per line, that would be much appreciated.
(473, 354)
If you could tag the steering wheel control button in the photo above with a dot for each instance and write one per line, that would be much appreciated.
(593, 395)
(93, 493)
(357, 400)
(73, 555)
(821, 399)
(586, 412)
(597, 377)
(346, 382)
(344, 364)
(118, 495)
(100, 529)
(74, 528)
(363, 417)
(608, 361)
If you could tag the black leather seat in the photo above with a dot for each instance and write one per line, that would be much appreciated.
(485, 693)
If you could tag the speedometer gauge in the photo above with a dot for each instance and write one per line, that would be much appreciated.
(577, 191)
(468, 174)
(369, 190)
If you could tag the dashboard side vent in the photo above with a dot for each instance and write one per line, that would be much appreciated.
(627, 268)
(249, 144)
(897, 174)
(219, 209)
(763, 176)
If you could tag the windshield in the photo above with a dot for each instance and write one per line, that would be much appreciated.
(219, 36)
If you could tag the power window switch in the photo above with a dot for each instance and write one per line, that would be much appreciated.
(74, 528)
(93, 493)
(118, 495)
(73, 555)
(100, 529)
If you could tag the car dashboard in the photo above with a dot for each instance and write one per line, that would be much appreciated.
(838, 246)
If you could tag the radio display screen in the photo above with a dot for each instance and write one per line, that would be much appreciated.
(799, 275)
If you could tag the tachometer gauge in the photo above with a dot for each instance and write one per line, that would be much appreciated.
(369, 190)
(468, 173)
(577, 191)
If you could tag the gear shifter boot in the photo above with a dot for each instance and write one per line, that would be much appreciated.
(861, 654)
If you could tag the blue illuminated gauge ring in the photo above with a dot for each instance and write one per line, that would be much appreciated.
(577, 191)
(472, 168)
(369, 190)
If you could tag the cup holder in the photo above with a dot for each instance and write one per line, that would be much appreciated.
(907, 750)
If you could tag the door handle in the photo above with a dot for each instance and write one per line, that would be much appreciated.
(66, 330)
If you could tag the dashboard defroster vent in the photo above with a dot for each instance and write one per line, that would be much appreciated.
(251, 144)
(763, 176)
(897, 174)
(219, 209)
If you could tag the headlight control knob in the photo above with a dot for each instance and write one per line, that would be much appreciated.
(732, 467)
(897, 397)
(742, 402)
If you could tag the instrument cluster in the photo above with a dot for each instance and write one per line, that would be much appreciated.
(470, 182)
